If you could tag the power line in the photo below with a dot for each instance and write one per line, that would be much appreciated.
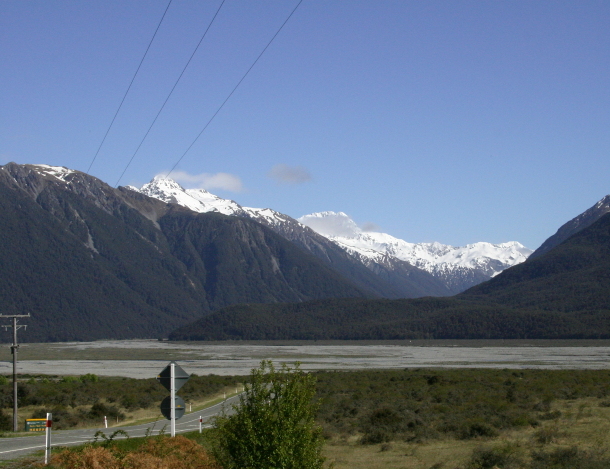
(129, 87)
(170, 93)
(236, 86)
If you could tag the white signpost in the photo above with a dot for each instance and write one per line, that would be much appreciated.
(173, 377)
(47, 451)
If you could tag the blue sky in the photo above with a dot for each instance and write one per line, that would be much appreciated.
(449, 121)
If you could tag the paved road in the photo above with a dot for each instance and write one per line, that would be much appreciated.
(12, 448)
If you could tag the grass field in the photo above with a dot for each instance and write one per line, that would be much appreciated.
(425, 418)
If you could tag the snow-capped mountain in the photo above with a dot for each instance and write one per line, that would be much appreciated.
(95, 262)
(460, 267)
(202, 201)
(456, 268)
(411, 282)
(58, 172)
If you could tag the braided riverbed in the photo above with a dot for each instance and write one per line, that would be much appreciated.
(145, 358)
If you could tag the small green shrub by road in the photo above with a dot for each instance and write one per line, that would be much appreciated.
(273, 426)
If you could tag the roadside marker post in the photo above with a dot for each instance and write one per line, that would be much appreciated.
(200, 423)
(47, 451)
(172, 396)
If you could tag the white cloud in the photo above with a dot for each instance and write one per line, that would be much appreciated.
(336, 224)
(289, 174)
(224, 181)
(331, 224)
(369, 226)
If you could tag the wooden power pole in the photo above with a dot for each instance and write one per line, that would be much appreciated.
(14, 349)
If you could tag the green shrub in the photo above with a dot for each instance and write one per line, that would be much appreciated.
(569, 458)
(505, 457)
(89, 378)
(273, 427)
(6, 422)
(465, 403)
(386, 424)
(477, 430)
(546, 435)
(100, 410)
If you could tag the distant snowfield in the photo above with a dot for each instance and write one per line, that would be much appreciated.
(431, 257)
(233, 359)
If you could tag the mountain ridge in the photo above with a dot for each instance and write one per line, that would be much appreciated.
(396, 280)
(580, 222)
(89, 261)
(411, 270)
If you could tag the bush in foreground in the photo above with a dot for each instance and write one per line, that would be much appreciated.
(273, 426)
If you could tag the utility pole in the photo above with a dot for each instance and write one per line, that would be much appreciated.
(14, 349)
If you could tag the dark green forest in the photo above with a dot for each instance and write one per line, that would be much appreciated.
(564, 294)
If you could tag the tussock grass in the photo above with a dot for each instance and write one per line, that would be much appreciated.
(466, 419)
(578, 439)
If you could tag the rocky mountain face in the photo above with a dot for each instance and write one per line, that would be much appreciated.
(582, 221)
(89, 261)
(400, 269)
(393, 279)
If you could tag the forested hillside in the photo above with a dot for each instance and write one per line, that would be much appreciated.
(88, 261)
(562, 294)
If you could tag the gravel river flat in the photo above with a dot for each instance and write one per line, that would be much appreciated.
(145, 358)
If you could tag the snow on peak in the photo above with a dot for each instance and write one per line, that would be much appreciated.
(198, 200)
(342, 230)
(338, 227)
(59, 172)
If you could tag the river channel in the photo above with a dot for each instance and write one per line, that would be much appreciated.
(145, 358)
